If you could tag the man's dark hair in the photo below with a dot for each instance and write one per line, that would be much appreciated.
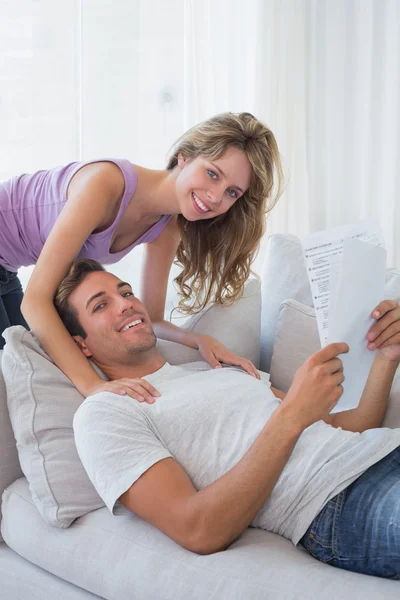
(76, 274)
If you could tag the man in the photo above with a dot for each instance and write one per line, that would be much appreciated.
(220, 450)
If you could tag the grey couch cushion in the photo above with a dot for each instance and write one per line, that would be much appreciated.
(121, 558)
(10, 469)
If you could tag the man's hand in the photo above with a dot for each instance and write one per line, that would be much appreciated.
(214, 353)
(384, 335)
(316, 386)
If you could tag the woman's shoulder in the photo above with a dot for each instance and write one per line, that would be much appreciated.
(103, 174)
(114, 168)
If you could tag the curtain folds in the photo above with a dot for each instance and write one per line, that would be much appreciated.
(87, 78)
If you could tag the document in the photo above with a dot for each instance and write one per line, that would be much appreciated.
(323, 253)
(360, 289)
(346, 268)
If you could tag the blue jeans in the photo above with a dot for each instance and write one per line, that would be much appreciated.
(11, 295)
(359, 529)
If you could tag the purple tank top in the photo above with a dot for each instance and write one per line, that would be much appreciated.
(31, 204)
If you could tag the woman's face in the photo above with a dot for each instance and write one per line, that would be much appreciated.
(206, 188)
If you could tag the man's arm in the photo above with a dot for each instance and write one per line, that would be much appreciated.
(209, 520)
(384, 336)
(374, 400)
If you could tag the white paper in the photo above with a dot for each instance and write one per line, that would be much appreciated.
(361, 286)
(323, 253)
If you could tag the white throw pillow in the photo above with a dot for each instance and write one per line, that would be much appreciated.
(285, 276)
(296, 339)
(42, 402)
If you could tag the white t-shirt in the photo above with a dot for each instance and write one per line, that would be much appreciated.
(206, 419)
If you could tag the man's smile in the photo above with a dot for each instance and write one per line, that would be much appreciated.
(131, 323)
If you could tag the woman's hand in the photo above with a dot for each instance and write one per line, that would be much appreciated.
(139, 389)
(214, 353)
(384, 335)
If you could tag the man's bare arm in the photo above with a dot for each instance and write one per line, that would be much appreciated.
(374, 400)
(208, 520)
(384, 337)
(373, 404)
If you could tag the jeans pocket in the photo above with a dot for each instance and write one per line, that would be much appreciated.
(320, 539)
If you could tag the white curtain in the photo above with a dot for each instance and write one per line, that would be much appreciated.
(325, 76)
(251, 56)
(83, 79)
(353, 100)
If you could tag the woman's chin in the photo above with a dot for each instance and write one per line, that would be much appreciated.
(191, 215)
(192, 218)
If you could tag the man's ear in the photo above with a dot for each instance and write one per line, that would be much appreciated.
(80, 342)
(181, 160)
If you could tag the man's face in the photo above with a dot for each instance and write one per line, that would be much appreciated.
(117, 324)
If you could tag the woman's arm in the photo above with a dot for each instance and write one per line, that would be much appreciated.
(157, 261)
(277, 393)
(158, 257)
(92, 197)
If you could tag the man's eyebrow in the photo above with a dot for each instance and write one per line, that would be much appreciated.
(102, 293)
(94, 298)
(223, 175)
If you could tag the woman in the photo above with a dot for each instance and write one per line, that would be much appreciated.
(207, 208)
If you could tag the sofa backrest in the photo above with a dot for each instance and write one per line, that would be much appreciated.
(10, 469)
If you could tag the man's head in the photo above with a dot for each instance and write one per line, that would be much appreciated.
(104, 317)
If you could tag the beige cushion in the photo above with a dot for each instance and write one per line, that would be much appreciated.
(296, 339)
(42, 402)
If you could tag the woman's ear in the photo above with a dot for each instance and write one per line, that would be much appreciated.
(80, 342)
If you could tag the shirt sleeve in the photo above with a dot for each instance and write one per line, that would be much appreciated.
(115, 447)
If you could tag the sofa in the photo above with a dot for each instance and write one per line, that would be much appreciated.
(51, 551)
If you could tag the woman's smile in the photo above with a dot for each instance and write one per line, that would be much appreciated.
(199, 205)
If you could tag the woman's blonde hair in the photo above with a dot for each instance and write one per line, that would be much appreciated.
(216, 254)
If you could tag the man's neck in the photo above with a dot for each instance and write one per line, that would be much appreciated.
(140, 366)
